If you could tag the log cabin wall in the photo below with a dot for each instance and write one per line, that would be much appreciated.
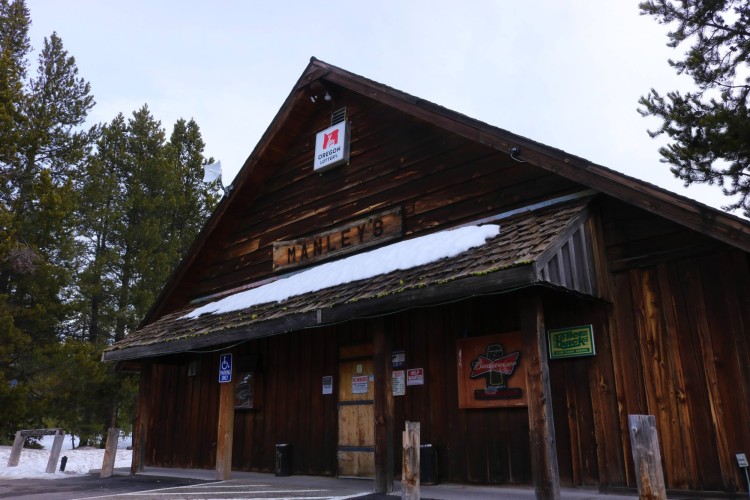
(397, 161)
(680, 350)
(672, 343)
(479, 446)
(183, 413)
(487, 446)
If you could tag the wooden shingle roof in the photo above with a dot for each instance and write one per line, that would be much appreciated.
(548, 245)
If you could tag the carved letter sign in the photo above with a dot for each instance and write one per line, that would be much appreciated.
(346, 239)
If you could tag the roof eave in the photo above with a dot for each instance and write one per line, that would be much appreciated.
(501, 281)
(692, 214)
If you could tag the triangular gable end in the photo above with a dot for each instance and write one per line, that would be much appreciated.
(297, 118)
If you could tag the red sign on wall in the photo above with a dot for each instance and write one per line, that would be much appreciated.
(415, 376)
(491, 371)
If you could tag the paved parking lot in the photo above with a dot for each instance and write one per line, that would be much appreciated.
(164, 487)
(164, 484)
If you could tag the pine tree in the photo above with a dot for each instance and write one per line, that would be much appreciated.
(92, 222)
(100, 214)
(710, 126)
(42, 143)
(143, 202)
(194, 199)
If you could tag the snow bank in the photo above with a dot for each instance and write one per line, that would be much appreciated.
(33, 463)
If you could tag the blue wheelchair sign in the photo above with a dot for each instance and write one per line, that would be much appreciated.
(225, 368)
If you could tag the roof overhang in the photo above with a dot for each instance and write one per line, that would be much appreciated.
(549, 244)
(497, 282)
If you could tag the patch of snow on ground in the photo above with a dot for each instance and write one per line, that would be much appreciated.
(33, 463)
(401, 255)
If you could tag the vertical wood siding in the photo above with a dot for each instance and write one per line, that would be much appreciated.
(681, 351)
(477, 446)
(673, 342)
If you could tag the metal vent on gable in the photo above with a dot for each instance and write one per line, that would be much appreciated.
(338, 116)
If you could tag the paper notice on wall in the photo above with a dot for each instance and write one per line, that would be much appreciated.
(399, 382)
(415, 376)
(328, 384)
(360, 384)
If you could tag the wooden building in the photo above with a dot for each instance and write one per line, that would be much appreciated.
(596, 296)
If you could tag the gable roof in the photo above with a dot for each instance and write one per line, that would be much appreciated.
(689, 213)
(534, 246)
(319, 75)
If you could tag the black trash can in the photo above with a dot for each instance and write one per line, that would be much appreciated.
(283, 459)
(428, 473)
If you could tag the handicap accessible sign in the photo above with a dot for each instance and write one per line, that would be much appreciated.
(225, 368)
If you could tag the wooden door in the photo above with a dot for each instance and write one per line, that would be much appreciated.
(356, 444)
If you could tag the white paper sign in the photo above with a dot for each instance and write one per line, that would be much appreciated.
(328, 384)
(399, 382)
(360, 384)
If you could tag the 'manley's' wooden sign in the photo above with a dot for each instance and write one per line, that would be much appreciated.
(351, 237)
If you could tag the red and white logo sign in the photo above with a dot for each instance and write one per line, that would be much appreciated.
(330, 139)
(331, 147)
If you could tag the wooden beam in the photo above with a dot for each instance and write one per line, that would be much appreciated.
(541, 422)
(384, 407)
(410, 478)
(225, 430)
(15, 452)
(110, 452)
(140, 430)
(648, 469)
(54, 454)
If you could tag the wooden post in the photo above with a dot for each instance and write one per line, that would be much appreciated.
(225, 431)
(645, 444)
(410, 483)
(142, 421)
(384, 407)
(110, 452)
(54, 454)
(15, 452)
(544, 468)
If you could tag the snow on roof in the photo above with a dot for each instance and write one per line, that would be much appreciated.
(398, 256)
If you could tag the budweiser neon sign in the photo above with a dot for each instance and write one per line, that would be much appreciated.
(497, 368)
(505, 366)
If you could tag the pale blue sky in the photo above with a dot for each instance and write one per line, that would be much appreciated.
(567, 74)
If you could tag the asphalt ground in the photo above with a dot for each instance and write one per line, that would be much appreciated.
(121, 487)
(199, 484)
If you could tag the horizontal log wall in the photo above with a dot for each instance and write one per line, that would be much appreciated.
(397, 161)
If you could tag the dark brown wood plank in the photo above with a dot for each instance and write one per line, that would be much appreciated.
(610, 466)
(383, 345)
(225, 431)
(143, 422)
(541, 422)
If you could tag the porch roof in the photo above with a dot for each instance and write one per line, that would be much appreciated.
(540, 245)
